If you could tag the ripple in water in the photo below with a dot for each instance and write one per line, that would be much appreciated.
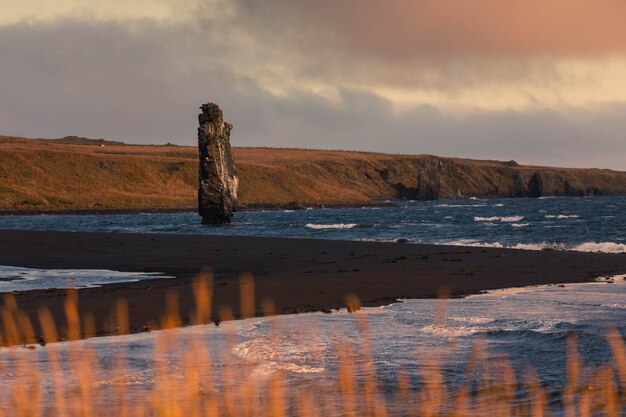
(585, 224)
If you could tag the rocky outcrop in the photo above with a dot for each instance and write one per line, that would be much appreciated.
(432, 178)
(218, 183)
(429, 180)
(547, 184)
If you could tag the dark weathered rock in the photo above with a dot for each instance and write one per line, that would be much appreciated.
(217, 190)
(429, 180)
(519, 185)
(547, 184)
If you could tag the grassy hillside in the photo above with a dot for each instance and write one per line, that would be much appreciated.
(75, 173)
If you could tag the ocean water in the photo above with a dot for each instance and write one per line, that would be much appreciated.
(586, 223)
(527, 326)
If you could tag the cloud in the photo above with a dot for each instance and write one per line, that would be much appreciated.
(443, 29)
(143, 81)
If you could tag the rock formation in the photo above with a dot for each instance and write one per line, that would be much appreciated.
(429, 180)
(217, 189)
(548, 184)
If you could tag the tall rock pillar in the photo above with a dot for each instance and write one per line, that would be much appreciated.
(217, 189)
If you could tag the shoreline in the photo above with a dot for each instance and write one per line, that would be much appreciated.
(294, 205)
(299, 275)
(185, 209)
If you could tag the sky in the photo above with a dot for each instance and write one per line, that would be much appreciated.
(539, 81)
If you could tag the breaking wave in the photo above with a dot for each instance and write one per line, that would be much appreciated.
(330, 226)
(499, 219)
(608, 247)
(615, 305)
(450, 331)
(460, 205)
(605, 247)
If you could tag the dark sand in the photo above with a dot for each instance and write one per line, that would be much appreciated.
(300, 275)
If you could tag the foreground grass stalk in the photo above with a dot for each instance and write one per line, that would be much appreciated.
(186, 382)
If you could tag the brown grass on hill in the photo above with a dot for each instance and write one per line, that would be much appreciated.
(41, 175)
(186, 381)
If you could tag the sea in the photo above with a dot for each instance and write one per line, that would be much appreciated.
(530, 327)
(584, 224)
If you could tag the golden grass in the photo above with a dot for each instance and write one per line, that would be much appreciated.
(199, 388)
(40, 175)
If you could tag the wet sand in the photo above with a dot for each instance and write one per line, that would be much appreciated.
(299, 275)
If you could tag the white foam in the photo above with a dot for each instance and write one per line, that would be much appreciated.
(615, 305)
(449, 331)
(561, 216)
(265, 370)
(330, 226)
(512, 218)
(499, 219)
(605, 247)
(460, 205)
(473, 319)
(520, 224)
(610, 278)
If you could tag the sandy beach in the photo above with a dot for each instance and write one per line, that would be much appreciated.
(299, 275)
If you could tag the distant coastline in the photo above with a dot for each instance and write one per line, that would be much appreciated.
(76, 175)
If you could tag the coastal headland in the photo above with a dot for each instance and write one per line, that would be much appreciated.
(299, 275)
(79, 175)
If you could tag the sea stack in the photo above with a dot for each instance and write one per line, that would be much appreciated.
(217, 188)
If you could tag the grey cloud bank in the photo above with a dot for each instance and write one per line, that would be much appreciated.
(142, 83)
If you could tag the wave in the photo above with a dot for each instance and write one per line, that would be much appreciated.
(448, 331)
(615, 305)
(499, 219)
(268, 369)
(520, 224)
(460, 205)
(561, 216)
(330, 226)
(605, 247)
(473, 319)
(608, 247)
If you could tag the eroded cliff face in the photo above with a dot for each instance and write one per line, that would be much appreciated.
(437, 178)
(218, 182)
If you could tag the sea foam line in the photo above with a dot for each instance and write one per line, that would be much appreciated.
(499, 219)
(561, 216)
(330, 226)
(605, 247)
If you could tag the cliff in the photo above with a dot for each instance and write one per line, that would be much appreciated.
(43, 175)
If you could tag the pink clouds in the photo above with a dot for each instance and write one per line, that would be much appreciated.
(443, 28)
